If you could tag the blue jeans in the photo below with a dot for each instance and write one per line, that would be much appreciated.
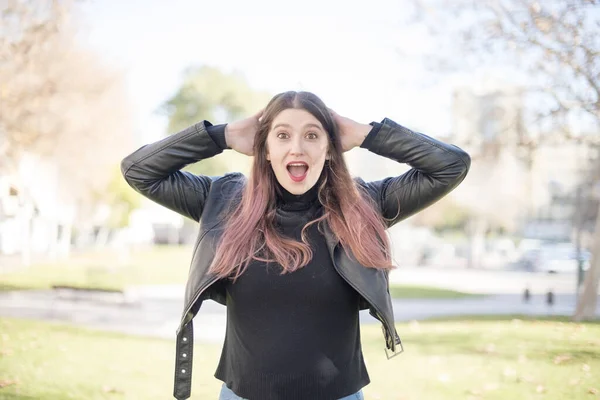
(227, 394)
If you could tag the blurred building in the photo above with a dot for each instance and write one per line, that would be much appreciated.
(552, 174)
(33, 216)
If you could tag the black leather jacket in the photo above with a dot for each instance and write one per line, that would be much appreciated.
(154, 171)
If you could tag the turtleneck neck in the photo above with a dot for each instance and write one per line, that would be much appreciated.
(297, 202)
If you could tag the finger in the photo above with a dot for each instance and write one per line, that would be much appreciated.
(259, 114)
(335, 115)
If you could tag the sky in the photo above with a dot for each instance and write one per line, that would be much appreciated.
(360, 57)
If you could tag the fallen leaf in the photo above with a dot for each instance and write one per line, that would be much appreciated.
(6, 352)
(593, 391)
(540, 389)
(585, 368)
(562, 358)
(108, 389)
(490, 348)
(522, 358)
(7, 382)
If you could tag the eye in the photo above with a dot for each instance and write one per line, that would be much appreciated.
(283, 135)
(312, 136)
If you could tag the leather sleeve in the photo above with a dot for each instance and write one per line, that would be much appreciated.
(437, 168)
(154, 170)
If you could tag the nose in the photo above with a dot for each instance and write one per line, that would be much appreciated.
(296, 147)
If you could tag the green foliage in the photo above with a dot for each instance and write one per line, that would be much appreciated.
(446, 215)
(207, 93)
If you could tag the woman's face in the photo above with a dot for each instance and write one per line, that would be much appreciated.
(297, 148)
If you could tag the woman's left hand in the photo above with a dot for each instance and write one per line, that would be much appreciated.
(352, 133)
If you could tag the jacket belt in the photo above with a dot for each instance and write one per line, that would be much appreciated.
(183, 362)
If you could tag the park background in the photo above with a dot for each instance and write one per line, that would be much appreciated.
(496, 291)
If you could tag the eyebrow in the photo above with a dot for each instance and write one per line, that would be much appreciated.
(289, 126)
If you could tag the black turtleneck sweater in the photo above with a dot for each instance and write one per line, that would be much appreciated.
(294, 336)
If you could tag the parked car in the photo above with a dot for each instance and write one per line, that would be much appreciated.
(557, 258)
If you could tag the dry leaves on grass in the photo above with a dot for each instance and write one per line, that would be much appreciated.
(509, 372)
(6, 352)
(540, 389)
(112, 390)
(7, 382)
(489, 348)
(491, 386)
(525, 378)
(487, 387)
(585, 368)
(562, 358)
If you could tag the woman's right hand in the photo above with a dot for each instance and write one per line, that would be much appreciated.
(239, 135)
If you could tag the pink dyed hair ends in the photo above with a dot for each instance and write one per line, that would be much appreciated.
(250, 232)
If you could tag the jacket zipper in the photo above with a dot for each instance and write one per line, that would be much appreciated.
(196, 297)
(203, 287)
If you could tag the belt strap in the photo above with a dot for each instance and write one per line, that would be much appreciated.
(183, 362)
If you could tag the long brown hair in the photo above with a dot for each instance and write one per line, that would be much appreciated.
(350, 213)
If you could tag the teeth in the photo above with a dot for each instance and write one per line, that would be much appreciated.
(296, 165)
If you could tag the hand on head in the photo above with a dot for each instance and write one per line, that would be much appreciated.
(240, 134)
(352, 133)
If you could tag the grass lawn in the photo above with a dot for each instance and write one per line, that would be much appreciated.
(473, 359)
(159, 265)
(424, 292)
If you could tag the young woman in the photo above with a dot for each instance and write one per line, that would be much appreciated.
(296, 249)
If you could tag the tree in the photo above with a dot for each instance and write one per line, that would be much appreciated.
(60, 105)
(553, 46)
(211, 94)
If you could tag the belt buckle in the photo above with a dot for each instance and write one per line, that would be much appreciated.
(388, 353)
(391, 354)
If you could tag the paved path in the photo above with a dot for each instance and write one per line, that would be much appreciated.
(154, 311)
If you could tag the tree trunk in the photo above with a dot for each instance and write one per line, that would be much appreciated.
(588, 299)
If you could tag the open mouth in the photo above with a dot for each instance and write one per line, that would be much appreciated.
(297, 171)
